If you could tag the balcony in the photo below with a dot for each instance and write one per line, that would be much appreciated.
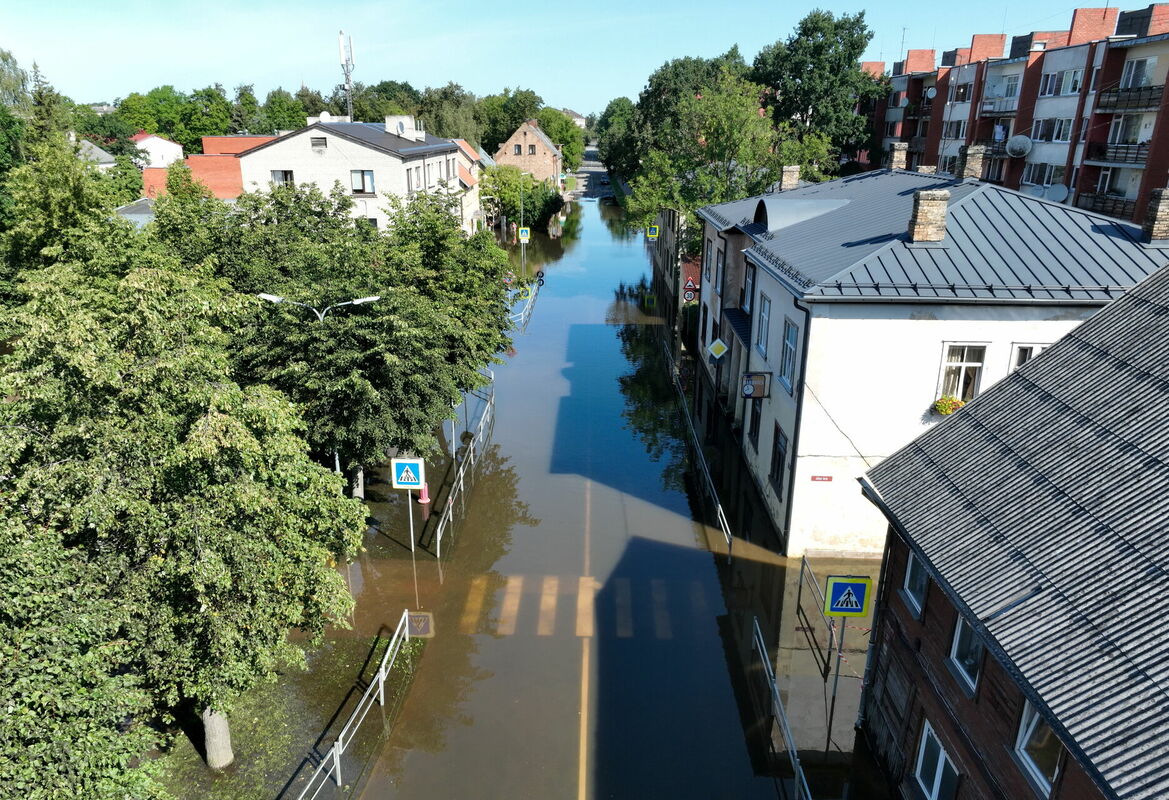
(994, 148)
(999, 106)
(1107, 204)
(1138, 98)
(1118, 153)
(918, 110)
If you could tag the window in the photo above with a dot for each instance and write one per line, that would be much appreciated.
(923, 128)
(1084, 129)
(917, 582)
(963, 369)
(994, 169)
(934, 772)
(1063, 131)
(891, 129)
(1095, 79)
(764, 324)
(1125, 129)
(1024, 353)
(409, 180)
(949, 164)
(418, 177)
(966, 652)
(1137, 73)
(531, 149)
(1038, 748)
(1070, 81)
(753, 428)
(778, 459)
(954, 129)
(702, 330)
(962, 93)
(718, 273)
(748, 290)
(706, 261)
(282, 177)
(370, 221)
(519, 150)
(787, 364)
(1048, 84)
(318, 142)
(1043, 174)
(361, 180)
(1010, 86)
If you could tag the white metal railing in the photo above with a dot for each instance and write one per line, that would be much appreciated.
(521, 317)
(458, 488)
(803, 792)
(708, 482)
(330, 766)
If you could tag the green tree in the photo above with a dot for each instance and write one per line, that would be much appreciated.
(508, 186)
(13, 83)
(311, 101)
(283, 112)
(11, 147)
(400, 93)
(816, 80)
(161, 110)
(123, 181)
(617, 138)
(207, 113)
(564, 132)
(500, 114)
(49, 110)
(110, 131)
(246, 114)
(449, 112)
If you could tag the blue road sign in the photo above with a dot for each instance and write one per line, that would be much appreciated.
(407, 473)
(848, 596)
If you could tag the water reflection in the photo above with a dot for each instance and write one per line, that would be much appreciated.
(614, 218)
(545, 249)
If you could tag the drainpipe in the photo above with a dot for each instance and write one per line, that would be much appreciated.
(718, 368)
(882, 597)
(795, 440)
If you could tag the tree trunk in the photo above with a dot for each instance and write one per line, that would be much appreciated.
(217, 739)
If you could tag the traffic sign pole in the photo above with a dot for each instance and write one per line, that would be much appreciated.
(835, 681)
(410, 514)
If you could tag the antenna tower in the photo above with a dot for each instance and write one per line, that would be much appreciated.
(345, 46)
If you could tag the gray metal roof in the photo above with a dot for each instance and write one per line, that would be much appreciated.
(140, 212)
(484, 159)
(1000, 245)
(88, 151)
(1041, 508)
(373, 134)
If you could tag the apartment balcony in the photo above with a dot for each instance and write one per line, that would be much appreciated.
(1109, 153)
(919, 110)
(1138, 98)
(999, 107)
(1107, 204)
(994, 148)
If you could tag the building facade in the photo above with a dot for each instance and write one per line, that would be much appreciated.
(157, 151)
(530, 149)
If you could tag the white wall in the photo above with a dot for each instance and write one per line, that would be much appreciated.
(158, 152)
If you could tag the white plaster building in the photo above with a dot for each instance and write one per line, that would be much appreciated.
(372, 161)
(156, 150)
(866, 299)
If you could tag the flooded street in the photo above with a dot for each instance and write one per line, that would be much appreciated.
(592, 638)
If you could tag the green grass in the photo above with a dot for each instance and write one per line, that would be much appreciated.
(570, 183)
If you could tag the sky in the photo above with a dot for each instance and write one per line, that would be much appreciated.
(574, 55)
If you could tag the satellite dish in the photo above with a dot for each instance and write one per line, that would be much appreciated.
(904, 101)
(401, 127)
(1057, 193)
(931, 93)
(326, 116)
(1018, 146)
(1035, 191)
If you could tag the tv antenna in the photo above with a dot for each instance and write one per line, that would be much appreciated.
(345, 46)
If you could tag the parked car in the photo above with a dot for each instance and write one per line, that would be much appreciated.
(604, 180)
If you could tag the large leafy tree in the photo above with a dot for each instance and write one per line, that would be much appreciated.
(161, 111)
(500, 114)
(450, 112)
(111, 132)
(246, 114)
(816, 79)
(509, 187)
(617, 137)
(311, 101)
(13, 82)
(283, 112)
(207, 112)
(567, 136)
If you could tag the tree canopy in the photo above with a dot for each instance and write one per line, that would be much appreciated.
(564, 132)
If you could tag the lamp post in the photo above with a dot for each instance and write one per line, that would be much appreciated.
(277, 299)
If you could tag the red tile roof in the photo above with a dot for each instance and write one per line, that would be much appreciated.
(468, 151)
(231, 145)
(466, 177)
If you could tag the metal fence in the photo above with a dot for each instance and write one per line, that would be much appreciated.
(330, 766)
(704, 470)
(465, 473)
(521, 317)
(821, 650)
(802, 791)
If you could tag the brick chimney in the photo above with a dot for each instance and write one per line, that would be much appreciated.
(790, 178)
(897, 154)
(928, 169)
(919, 61)
(1156, 227)
(928, 222)
(987, 45)
(1090, 24)
(970, 158)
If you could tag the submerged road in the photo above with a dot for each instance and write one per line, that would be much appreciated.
(578, 651)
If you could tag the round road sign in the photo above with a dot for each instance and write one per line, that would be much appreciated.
(540, 282)
(540, 273)
(509, 277)
(688, 295)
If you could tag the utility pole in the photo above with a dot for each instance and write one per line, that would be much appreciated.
(345, 46)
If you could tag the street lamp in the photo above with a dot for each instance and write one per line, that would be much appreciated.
(277, 299)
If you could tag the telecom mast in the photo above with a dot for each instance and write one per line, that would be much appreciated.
(345, 46)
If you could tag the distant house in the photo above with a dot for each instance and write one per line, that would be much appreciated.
(140, 212)
(1014, 653)
(157, 151)
(530, 149)
(576, 118)
(88, 151)
(217, 167)
(859, 302)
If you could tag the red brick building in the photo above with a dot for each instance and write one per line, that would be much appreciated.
(530, 149)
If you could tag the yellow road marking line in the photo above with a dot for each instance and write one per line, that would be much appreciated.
(585, 598)
(582, 777)
(548, 598)
(661, 612)
(624, 607)
(474, 608)
(511, 606)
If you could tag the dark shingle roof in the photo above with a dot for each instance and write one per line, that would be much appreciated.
(1042, 507)
(373, 134)
(1000, 245)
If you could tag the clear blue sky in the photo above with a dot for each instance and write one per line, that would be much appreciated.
(574, 55)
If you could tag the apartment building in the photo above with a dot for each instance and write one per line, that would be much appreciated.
(1023, 534)
(1071, 116)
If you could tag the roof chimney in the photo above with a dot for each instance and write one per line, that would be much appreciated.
(928, 169)
(928, 222)
(897, 153)
(970, 158)
(1156, 227)
(790, 178)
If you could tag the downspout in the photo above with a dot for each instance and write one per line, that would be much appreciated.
(883, 597)
(722, 285)
(791, 485)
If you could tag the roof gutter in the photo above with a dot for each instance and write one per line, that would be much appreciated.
(981, 301)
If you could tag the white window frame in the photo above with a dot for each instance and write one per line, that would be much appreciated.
(963, 89)
(946, 363)
(787, 362)
(1031, 720)
(764, 324)
(1063, 130)
(748, 286)
(1048, 83)
(1070, 81)
(1011, 85)
(285, 177)
(707, 260)
(1017, 347)
(361, 181)
(931, 792)
(971, 682)
(719, 266)
(915, 604)
(1129, 72)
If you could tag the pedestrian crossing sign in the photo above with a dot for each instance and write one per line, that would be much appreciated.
(652, 232)
(525, 235)
(848, 596)
(407, 473)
